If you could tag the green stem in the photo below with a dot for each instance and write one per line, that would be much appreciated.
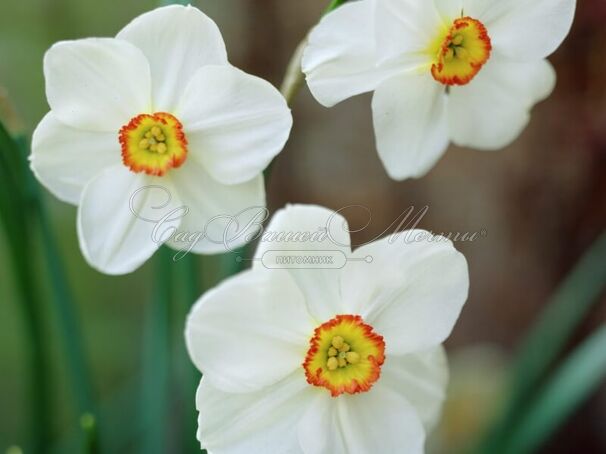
(334, 4)
(188, 273)
(294, 79)
(156, 360)
(88, 423)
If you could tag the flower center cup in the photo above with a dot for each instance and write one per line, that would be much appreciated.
(345, 356)
(153, 143)
(460, 52)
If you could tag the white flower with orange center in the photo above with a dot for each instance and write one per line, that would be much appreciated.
(157, 106)
(333, 360)
(466, 71)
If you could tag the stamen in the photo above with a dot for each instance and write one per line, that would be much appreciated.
(332, 363)
(153, 143)
(345, 356)
(352, 357)
(337, 342)
(460, 52)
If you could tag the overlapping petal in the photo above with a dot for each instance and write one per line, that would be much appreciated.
(327, 231)
(116, 219)
(381, 420)
(177, 41)
(412, 292)
(259, 422)
(411, 125)
(218, 217)
(65, 159)
(531, 30)
(404, 29)
(250, 332)
(493, 111)
(97, 84)
(422, 379)
(340, 59)
(235, 123)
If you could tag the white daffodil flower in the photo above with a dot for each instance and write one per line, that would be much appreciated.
(334, 361)
(466, 71)
(157, 106)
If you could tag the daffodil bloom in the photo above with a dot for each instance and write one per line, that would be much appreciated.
(157, 106)
(466, 71)
(333, 360)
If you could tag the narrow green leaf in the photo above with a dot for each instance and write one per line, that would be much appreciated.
(571, 384)
(572, 301)
(15, 216)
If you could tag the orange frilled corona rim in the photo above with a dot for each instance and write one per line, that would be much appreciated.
(345, 356)
(461, 52)
(153, 143)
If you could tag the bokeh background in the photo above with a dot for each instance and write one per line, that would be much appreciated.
(539, 203)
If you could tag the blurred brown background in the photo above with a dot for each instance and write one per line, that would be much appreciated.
(541, 201)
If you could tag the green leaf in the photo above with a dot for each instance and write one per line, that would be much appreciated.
(571, 384)
(572, 301)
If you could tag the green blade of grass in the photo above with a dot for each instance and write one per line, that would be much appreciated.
(15, 216)
(572, 383)
(61, 298)
(572, 301)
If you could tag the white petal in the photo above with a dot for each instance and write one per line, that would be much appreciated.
(493, 110)
(219, 217)
(177, 40)
(411, 293)
(411, 126)
(115, 218)
(235, 123)
(422, 379)
(380, 421)
(531, 30)
(249, 332)
(64, 159)
(340, 59)
(327, 231)
(487, 11)
(405, 29)
(261, 422)
(97, 84)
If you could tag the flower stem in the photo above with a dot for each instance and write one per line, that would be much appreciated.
(156, 359)
(294, 78)
(334, 4)
(188, 273)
